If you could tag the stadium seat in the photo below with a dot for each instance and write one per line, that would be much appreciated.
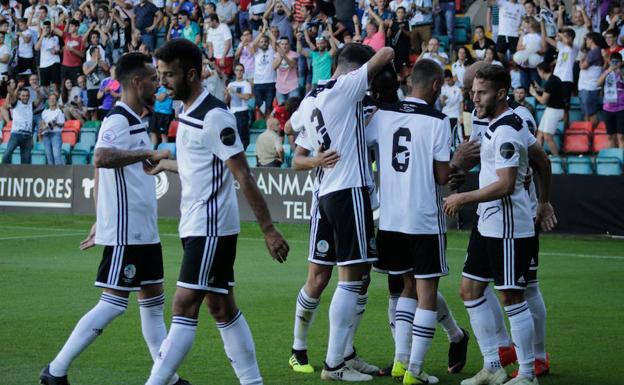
(69, 137)
(251, 160)
(610, 161)
(38, 158)
(253, 136)
(576, 142)
(16, 158)
(79, 158)
(93, 124)
(65, 151)
(38, 146)
(575, 101)
(72, 125)
(581, 126)
(444, 42)
(88, 138)
(600, 141)
(251, 149)
(601, 127)
(463, 22)
(2, 101)
(6, 135)
(556, 165)
(575, 115)
(258, 125)
(168, 146)
(460, 35)
(173, 129)
(580, 165)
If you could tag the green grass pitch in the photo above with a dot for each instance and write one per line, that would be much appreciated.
(46, 285)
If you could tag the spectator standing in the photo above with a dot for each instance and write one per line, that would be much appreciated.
(490, 57)
(613, 90)
(22, 126)
(278, 15)
(50, 128)
(527, 54)
(591, 69)
(38, 97)
(375, 31)
(74, 99)
(95, 70)
(5, 55)
(399, 37)
(451, 99)
(213, 79)
(432, 51)
(109, 92)
(147, 18)
(520, 98)
(264, 74)
(73, 51)
(25, 48)
(464, 59)
(421, 23)
(256, 15)
(285, 64)
(444, 19)
(189, 29)
(581, 25)
(49, 48)
(269, 146)
(219, 44)
(481, 42)
(162, 116)
(552, 97)
(238, 93)
(611, 38)
(244, 55)
(320, 55)
(243, 15)
(227, 11)
(492, 19)
(510, 17)
(175, 27)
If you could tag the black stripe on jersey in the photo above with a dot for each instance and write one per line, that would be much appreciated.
(487, 135)
(511, 120)
(413, 108)
(322, 87)
(122, 207)
(190, 124)
(205, 106)
(360, 142)
(511, 102)
(137, 131)
(124, 191)
(212, 208)
(119, 110)
(479, 123)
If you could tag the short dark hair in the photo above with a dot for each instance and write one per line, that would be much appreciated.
(545, 67)
(616, 56)
(448, 73)
(520, 88)
(184, 12)
(188, 54)
(74, 22)
(425, 71)
(93, 49)
(354, 55)
(480, 27)
(213, 17)
(570, 32)
(129, 65)
(47, 23)
(495, 74)
(612, 32)
(284, 37)
(384, 85)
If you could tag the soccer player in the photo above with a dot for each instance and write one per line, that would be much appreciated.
(500, 248)
(344, 202)
(321, 256)
(126, 223)
(209, 156)
(413, 142)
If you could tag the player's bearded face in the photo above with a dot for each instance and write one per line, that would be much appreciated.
(172, 77)
(484, 98)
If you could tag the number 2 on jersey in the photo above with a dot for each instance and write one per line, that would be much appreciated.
(401, 165)
(317, 118)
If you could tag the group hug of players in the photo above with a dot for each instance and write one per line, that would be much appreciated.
(337, 124)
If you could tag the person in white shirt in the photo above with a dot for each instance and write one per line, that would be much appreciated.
(219, 43)
(265, 75)
(432, 51)
(451, 99)
(237, 94)
(21, 108)
(5, 55)
(458, 68)
(49, 48)
(527, 54)
(25, 49)
(510, 14)
(51, 125)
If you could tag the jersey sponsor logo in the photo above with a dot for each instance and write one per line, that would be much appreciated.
(109, 136)
(129, 271)
(322, 246)
(507, 150)
(228, 136)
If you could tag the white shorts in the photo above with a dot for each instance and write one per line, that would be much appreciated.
(550, 120)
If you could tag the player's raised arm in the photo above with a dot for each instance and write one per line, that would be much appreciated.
(277, 245)
(379, 60)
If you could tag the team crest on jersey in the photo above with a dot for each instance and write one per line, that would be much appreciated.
(507, 150)
(228, 136)
(322, 246)
(129, 271)
(108, 136)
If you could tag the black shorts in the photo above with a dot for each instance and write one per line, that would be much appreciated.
(159, 123)
(322, 250)
(130, 267)
(350, 217)
(504, 43)
(51, 74)
(535, 250)
(208, 263)
(566, 88)
(504, 261)
(614, 121)
(422, 254)
(92, 100)
(25, 64)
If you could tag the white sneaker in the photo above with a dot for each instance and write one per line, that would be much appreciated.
(487, 377)
(358, 364)
(345, 373)
(522, 380)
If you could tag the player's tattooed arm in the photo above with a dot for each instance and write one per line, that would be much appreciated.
(504, 186)
(277, 245)
(545, 213)
(115, 158)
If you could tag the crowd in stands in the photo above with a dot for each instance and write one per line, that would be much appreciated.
(261, 56)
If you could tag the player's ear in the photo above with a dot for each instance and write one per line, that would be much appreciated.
(191, 75)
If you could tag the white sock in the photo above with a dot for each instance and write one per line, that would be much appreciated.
(173, 350)
(422, 336)
(502, 337)
(521, 324)
(406, 307)
(152, 312)
(482, 322)
(446, 319)
(538, 312)
(86, 331)
(359, 312)
(392, 305)
(304, 315)
(239, 348)
(341, 312)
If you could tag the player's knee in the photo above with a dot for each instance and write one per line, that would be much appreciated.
(221, 311)
(317, 283)
(466, 293)
(186, 303)
(512, 297)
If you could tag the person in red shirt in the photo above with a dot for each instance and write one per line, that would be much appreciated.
(375, 31)
(611, 37)
(73, 51)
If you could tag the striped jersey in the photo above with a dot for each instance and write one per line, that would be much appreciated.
(206, 138)
(126, 199)
(410, 135)
(338, 119)
(505, 144)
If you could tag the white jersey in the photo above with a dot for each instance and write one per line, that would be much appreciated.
(505, 144)
(126, 199)
(509, 18)
(206, 139)
(338, 119)
(480, 125)
(410, 135)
